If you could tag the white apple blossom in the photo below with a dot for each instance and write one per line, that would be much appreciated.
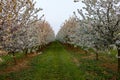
(104, 17)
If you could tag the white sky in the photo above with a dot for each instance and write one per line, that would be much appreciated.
(57, 11)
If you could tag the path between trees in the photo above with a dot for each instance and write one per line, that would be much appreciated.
(56, 63)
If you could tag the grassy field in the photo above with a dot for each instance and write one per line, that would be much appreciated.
(103, 69)
(59, 62)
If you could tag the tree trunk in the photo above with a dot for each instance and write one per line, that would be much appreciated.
(86, 52)
(39, 48)
(118, 60)
(31, 49)
(14, 58)
(97, 56)
(26, 51)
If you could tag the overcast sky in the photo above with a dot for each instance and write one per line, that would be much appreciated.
(57, 11)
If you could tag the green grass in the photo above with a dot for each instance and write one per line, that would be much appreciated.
(9, 59)
(92, 69)
(56, 63)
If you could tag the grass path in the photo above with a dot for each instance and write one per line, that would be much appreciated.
(54, 64)
(59, 63)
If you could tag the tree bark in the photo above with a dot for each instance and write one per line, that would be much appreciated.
(14, 58)
(26, 51)
(31, 49)
(97, 56)
(39, 48)
(86, 52)
(118, 60)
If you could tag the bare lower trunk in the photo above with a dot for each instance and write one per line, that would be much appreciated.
(39, 48)
(97, 58)
(86, 52)
(119, 60)
(26, 51)
(14, 58)
(31, 50)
